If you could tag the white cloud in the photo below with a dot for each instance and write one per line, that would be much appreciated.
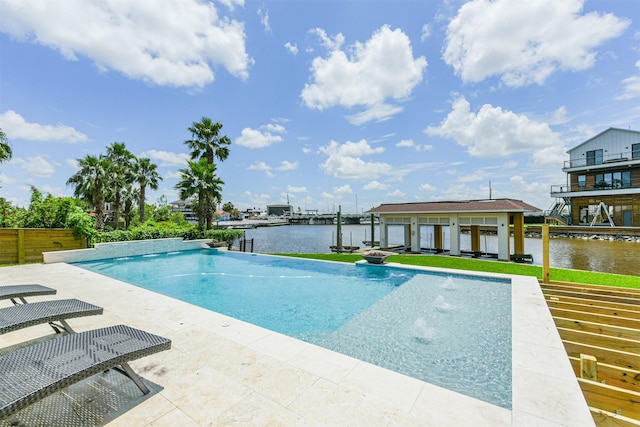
(253, 138)
(6, 179)
(344, 161)
(365, 74)
(294, 189)
(377, 112)
(559, 116)
(292, 48)
(262, 166)
(72, 163)
(462, 192)
(473, 177)
(166, 158)
(405, 143)
(534, 188)
(396, 194)
(550, 156)
(427, 187)
(375, 185)
(35, 166)
(274, 128)
(525, 42)
(426, 32)
(330, 43)
(257, 199)
(173, 175)
(16, 127)
(328, 196)
(177, 44)
(342, 190)
(264, 20)
(410, 144)
(230, 4)
(286, 165)
(494, 132)
(631, 86)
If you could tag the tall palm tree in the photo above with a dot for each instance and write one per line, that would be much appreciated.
(199, 180)
(147, 176)
(206, 142)
(5, 148)
(121, 174)
(130, 196)
(91, 184)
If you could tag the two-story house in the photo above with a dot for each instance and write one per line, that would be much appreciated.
(603, 181)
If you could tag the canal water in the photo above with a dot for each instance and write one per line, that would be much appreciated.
(580, 254)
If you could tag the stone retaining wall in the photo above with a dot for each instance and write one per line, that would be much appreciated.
(121, 249)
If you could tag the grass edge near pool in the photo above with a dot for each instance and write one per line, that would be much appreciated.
(556, 274)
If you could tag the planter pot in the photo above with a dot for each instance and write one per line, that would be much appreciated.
(375, 258)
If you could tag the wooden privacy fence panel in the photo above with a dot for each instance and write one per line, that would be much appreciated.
(25, 245)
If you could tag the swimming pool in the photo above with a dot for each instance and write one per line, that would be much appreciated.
(450, 330)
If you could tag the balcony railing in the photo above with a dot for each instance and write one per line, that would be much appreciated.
(607, 159)
(599, 186)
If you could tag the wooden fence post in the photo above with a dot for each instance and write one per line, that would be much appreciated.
(545, 253)
(21, 255)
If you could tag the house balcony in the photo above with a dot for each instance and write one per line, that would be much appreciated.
(600, 189)
(610, 161)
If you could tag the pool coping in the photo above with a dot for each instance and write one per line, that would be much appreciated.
(545, 390)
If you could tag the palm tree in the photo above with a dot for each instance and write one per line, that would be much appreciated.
(130, 196)
(199, 180)
(146, 175)
(207, 143)
(122, 174)
(91, 184)
(5, 148)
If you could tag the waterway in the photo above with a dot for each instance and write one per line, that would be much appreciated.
(580, 254)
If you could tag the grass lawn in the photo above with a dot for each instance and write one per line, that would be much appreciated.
(556, 274)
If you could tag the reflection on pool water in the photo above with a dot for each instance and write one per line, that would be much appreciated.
(453, 331)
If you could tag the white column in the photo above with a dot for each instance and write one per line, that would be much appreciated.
(415, 235)
(384, 233)
(454, 235)
(503, 237)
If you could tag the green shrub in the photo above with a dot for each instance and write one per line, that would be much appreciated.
(163, 230)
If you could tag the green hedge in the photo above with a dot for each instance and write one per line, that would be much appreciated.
(164, 232)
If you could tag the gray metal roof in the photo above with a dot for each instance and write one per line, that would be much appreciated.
(468, 206)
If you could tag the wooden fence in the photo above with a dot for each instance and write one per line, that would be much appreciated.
(26, 245)
(600, 330)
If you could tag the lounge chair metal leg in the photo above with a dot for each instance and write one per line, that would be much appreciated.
(13, 300)
(128, 371)
(63, 326)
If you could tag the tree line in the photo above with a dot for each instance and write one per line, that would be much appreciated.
(121, 178)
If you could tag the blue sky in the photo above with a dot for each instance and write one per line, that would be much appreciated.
(327, 103)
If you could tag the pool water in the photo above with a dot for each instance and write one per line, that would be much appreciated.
(453, 331)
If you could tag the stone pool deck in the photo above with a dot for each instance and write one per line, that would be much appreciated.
(222, 371)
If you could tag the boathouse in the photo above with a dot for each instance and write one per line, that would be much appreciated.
(495, 213)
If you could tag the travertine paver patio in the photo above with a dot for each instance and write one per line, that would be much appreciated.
(222, 371)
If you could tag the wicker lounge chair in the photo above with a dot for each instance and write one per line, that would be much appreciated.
(36, 313)
(14, 292)
(32, 373)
